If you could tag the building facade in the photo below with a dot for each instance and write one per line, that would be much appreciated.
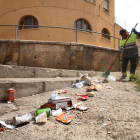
(88, 15)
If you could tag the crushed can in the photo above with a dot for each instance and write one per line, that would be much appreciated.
(22, 119)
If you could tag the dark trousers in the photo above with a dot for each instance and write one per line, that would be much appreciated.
(133, 64)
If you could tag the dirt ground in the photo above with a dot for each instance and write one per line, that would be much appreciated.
(114, 114)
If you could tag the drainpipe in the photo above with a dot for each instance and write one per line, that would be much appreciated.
(99, 9)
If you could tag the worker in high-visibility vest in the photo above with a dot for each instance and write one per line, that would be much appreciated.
(130, 52)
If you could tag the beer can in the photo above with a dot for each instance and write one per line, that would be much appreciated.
(22, 119)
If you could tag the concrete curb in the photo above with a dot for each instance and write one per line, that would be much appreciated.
(30, 86)
(13, 71)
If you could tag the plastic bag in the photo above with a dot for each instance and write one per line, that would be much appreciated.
(110, 78)
(80, 84)
(56, 113)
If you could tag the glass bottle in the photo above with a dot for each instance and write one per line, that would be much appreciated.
(56, 104)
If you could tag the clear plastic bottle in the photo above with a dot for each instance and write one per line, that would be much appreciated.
(53, 95)
(80, 84)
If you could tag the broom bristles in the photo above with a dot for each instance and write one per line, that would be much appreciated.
(106, 73)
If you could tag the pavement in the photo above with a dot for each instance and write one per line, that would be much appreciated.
(114, 110)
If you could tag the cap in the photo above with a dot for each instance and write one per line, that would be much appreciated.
(122, 31)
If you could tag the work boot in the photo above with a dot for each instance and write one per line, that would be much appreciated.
(132, 78)
(123, 77)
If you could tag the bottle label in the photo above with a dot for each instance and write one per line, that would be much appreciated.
(61, 105)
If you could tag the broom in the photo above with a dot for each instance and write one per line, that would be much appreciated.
(107, 72)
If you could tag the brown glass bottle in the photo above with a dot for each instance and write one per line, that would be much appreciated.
(56, 104)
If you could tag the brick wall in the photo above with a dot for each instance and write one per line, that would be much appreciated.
(59, 55)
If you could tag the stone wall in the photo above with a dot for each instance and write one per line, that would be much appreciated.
(59, 55)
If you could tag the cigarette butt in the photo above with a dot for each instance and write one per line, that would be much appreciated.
(57, 125)
(6, 111)
(109, 124)
(48, 119)
(56, 122)
(12, 131)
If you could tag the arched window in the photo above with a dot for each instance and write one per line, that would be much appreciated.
(82, 24)
(105, 31)
(28, 20)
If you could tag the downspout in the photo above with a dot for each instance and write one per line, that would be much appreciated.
(99, 9)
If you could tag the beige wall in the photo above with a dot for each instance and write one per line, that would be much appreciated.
(63, 14)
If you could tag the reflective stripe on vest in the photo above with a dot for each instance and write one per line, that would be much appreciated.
(130, 45)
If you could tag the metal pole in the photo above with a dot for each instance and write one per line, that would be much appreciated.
(16, 32)
(76, 35)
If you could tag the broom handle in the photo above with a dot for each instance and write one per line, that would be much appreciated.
(123, 45)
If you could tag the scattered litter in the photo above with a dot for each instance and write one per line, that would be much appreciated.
(80, 103)
(46, 110)
(69, 108)
(90, 94)
(8, 102)
(11, 94)
(19, 108)
(108, 132)
(97, 87)
(96, 81)
(64, 118)
(88, 89)
(56, 104)
(78, 94)
(1, 129)
(109, 87)
(56, 113)
(41, 118)
(113, 79)
(63, 91)
(80, 84)
(12, 131)
(73, 85)
(22, 119)
(83, 98)
(81, 107)
(85, 79)
(103, 109)
(53, 95)
(7, 126)
(105, 80)
(106, 124)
